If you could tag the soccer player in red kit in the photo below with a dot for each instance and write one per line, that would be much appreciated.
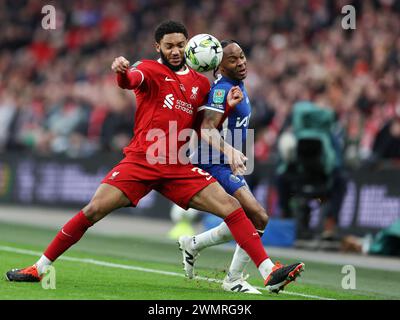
(168, 95)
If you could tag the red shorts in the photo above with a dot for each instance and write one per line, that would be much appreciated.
(135, 177)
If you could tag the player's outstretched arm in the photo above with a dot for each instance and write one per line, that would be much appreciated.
(211, 135)
(127, 79)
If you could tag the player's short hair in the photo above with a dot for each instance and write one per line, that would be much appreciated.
(225, 43)
(168, 27)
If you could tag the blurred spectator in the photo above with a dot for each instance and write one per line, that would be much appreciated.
(7, 110)
(387, 141)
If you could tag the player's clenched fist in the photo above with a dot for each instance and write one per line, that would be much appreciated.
(235, 95)
(120, 64)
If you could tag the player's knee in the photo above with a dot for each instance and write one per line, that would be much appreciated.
(230, 204)
(93, 211)
(260, 219)
(264, 218)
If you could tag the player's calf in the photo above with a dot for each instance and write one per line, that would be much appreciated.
(260, 219)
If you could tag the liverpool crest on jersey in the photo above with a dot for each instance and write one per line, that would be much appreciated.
(194, 93)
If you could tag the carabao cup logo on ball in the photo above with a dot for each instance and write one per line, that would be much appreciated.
(203, 52)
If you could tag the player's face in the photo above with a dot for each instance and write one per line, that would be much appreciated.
(234, 63)
(171, 49)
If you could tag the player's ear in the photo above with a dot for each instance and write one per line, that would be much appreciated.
(222, 63)
(221, 67)
(158, 47)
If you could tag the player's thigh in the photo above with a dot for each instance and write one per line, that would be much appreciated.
(106, 199)
(253, 209)
(214, 199)
(191, 187)
(123, 186)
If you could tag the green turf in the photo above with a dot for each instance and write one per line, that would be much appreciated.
(80, 280)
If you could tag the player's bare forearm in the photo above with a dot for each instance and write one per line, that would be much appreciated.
(210, 133)
(213, 137)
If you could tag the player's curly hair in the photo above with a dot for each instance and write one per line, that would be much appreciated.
(224, 43)
(168, 27)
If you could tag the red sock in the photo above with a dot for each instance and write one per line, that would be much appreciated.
(246, 235)
(72, 231)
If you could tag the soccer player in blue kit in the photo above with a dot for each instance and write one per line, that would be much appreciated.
(229, 167)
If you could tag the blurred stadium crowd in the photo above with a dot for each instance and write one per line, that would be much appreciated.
(59, 95)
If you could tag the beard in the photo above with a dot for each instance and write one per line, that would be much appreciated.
(172, 67)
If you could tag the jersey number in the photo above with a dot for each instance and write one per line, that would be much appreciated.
(202, 172)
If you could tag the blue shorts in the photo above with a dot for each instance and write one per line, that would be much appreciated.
(225, 176)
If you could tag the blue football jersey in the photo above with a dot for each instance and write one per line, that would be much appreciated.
(234, 124)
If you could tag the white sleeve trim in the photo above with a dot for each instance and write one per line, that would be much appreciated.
(132, 70)
(210, 108)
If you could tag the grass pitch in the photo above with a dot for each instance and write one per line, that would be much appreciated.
(128, 268)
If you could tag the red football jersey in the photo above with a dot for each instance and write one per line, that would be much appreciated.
(167, 103)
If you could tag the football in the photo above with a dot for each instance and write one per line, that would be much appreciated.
(203, 52)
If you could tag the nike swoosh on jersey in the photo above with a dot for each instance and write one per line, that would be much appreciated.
(169, 79)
